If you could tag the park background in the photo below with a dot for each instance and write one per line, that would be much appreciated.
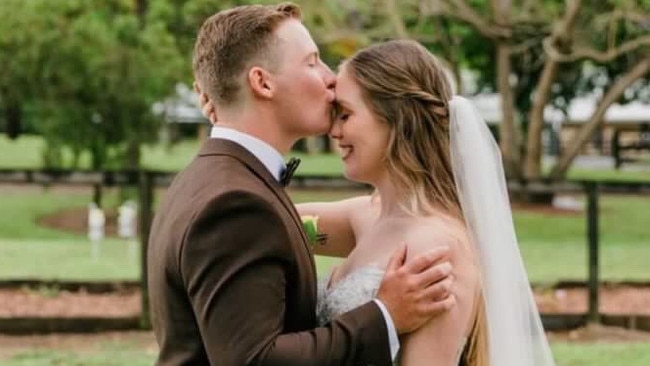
(105, 86)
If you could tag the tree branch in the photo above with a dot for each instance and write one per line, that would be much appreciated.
(524, 46)
(616, 15)
(396, 19)
(467, 14)
(613, 94)
(593, 54)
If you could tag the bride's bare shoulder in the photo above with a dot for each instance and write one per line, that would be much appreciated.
(429, 232)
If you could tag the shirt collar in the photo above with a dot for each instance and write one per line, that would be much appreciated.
(266, 154)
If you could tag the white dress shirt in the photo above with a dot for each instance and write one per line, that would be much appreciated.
(264, 152)
(273, 161)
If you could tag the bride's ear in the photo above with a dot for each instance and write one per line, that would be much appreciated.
(261, 82)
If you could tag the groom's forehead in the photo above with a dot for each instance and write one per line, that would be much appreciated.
(294, 37)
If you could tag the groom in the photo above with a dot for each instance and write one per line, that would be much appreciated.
(232, 279)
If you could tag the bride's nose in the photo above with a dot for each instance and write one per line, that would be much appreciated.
(335, 130)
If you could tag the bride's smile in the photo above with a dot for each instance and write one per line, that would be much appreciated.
(346, 150)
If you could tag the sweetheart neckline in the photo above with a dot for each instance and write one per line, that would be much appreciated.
(329, 286)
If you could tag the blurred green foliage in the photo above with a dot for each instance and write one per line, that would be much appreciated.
(85, 74)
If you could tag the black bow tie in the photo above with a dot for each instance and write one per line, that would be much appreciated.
(289, 169)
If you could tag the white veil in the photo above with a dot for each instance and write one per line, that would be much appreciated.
(516, 335)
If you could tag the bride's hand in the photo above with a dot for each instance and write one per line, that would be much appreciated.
(207, 108)
(415, 292)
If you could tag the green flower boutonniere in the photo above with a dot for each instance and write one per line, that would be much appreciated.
(310, 225)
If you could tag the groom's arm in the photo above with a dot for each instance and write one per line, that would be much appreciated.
(234, 263)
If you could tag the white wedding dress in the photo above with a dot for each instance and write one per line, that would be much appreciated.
(350, 292)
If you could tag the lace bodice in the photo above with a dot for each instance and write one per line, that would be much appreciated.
(350, 292)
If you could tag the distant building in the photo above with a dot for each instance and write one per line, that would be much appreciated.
(561, 128)
(183, 114)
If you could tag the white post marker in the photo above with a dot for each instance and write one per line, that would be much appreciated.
(96, 229)
(127, 226)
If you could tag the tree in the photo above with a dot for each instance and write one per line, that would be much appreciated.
(569, 45)
(92, 72)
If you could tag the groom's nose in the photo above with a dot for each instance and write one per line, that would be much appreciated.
(329, 76)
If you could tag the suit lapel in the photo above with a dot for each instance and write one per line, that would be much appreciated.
(225, 147)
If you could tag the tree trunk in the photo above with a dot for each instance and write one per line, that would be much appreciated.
(133, 146)
(97, 194)
(97, 163)
(507, 128)
(13, 118)
(613, 94)
(533, 167)
(141, 7)
(562, 38)
(133, 155)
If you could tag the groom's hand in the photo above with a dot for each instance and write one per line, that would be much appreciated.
(415, 292)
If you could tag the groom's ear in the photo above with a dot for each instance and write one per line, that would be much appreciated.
(261, 82)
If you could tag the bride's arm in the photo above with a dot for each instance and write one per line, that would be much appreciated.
(440, 341)
(335, 222)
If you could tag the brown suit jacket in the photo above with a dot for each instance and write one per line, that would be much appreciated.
(232, 278)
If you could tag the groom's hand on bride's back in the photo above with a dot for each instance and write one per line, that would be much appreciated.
(416, 291)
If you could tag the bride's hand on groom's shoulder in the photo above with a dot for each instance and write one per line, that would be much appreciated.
(207, 108)
(416, 291)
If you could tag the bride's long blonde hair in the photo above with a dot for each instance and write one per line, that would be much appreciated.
(407, 89)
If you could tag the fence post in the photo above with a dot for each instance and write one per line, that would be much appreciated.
(145, 215)
(592, 238)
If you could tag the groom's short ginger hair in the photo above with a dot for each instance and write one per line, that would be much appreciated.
(230, 41)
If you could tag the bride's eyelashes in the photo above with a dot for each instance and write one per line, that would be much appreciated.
(340, 113)
(343, 116)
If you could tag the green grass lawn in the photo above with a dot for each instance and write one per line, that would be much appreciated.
(601, 354)
(25, 153)
(610, 175)
(123, 352)
(554, 247)
(69, 259)
(19, 212)
(103, 354)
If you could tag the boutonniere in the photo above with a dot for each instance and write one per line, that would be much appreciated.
(310, 225)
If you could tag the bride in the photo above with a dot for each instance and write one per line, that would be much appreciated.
(438, 180)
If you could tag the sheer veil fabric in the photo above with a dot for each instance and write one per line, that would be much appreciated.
(516, 334)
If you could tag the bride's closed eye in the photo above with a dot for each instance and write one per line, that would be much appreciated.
(343, 116)
(340, 113)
